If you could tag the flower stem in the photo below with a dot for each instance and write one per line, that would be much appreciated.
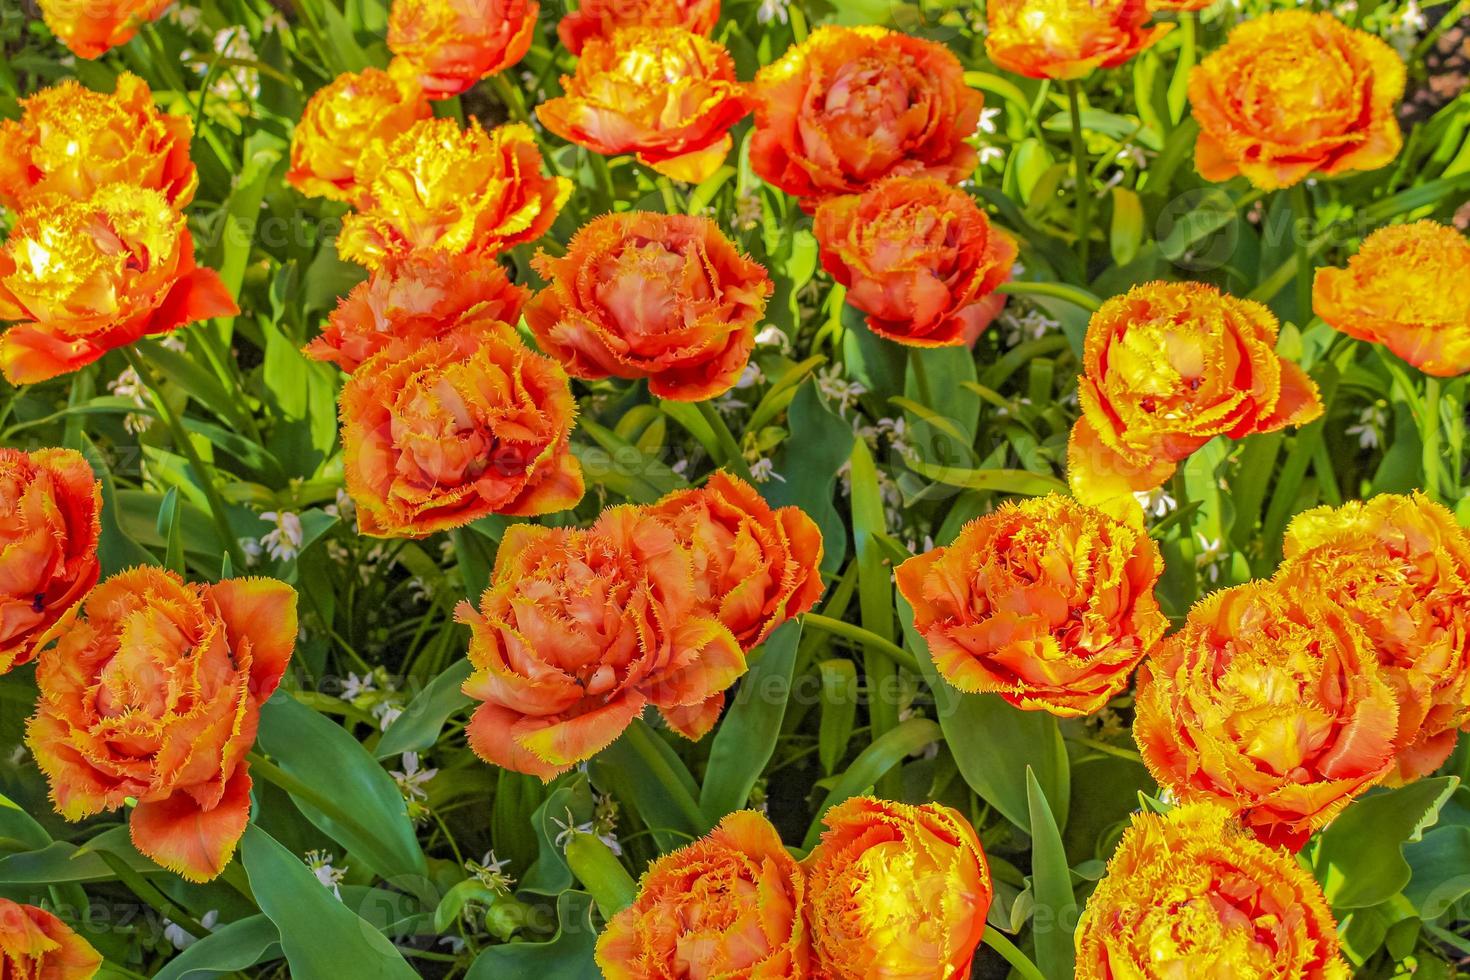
(734, 456)
(671, 198)
(203, 474)
(640, 739)
(1081, 177)
(1024, 967)
(1429, 436)
(1301, 209)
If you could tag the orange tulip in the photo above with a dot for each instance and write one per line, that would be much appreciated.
(1401, 568)
(411, 301)
(579, 631)
(154, 695)
(896, 891)
(664, 93)
(1192, 894)
(36, 945)
(455, 190)
(1402, 290)
(91, 27)
(603, 18)
(340, 120)
(49, 525)
(1178, 5)
(1270, 703)
(1294, 93)
(1048, 603)
(727, 905)
(918, 256)
(1066, 39)
(72, 141)
(449, 45)
(471, 424)
(83, 277)
(644, 295)
(852, 105)
(1167, 367)
(754, 567)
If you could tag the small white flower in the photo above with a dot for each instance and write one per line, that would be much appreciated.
(411, 778)
(252, 550)
(763, 470)
(320, 863)
(387, 712)
(181, 939)
(284, 540)
(990, 154)
(491, 873)
(773, 336)
(770, 10)
(1156, 502)
(1210, 553)
(988, 115)
(1371, 422)
(356, 686)
(569, 826)
(838, 389)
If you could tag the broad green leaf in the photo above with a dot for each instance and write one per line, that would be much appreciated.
(1439, 871)
(746, 737)
(839, 710)
(229, 948)
(1021, 482)
(319, 934)
(597, 867)
(421, 723)
(875, 595)
(323, 754)
(808, 463)
(1054, 915)
(1360, 856)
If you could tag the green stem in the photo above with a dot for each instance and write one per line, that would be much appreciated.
(185, 445)
(603, 174)
(870, 640)
(511, 98)
(666, 190)
(1057, 290)
(1301, 209)
(734, 456)
(1429, 436)
(1081, 177)
(1008, 951)
(640, 740)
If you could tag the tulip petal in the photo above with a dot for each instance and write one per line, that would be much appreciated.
(188, 840)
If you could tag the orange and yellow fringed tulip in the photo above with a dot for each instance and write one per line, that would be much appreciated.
(1191, 894)
(154, 695)
(1405, 289)
(754, 567)
(36, 945)
(604, 18)
(89, 28)
(1167, 367)
(79, 278)
(1294, 93)
(852, 105)
(449, 45)
(727, 905)
(411, 301)
(72, 141)
(919, 257)
(50, 507)
(468, 425)
(1067, 39)
(340, 120)
(1401, 567)
(896, 891)
(1271, 703)
(1048, 603)
(666, 94)
(579, 630)
(644, 295)
(462, 191)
